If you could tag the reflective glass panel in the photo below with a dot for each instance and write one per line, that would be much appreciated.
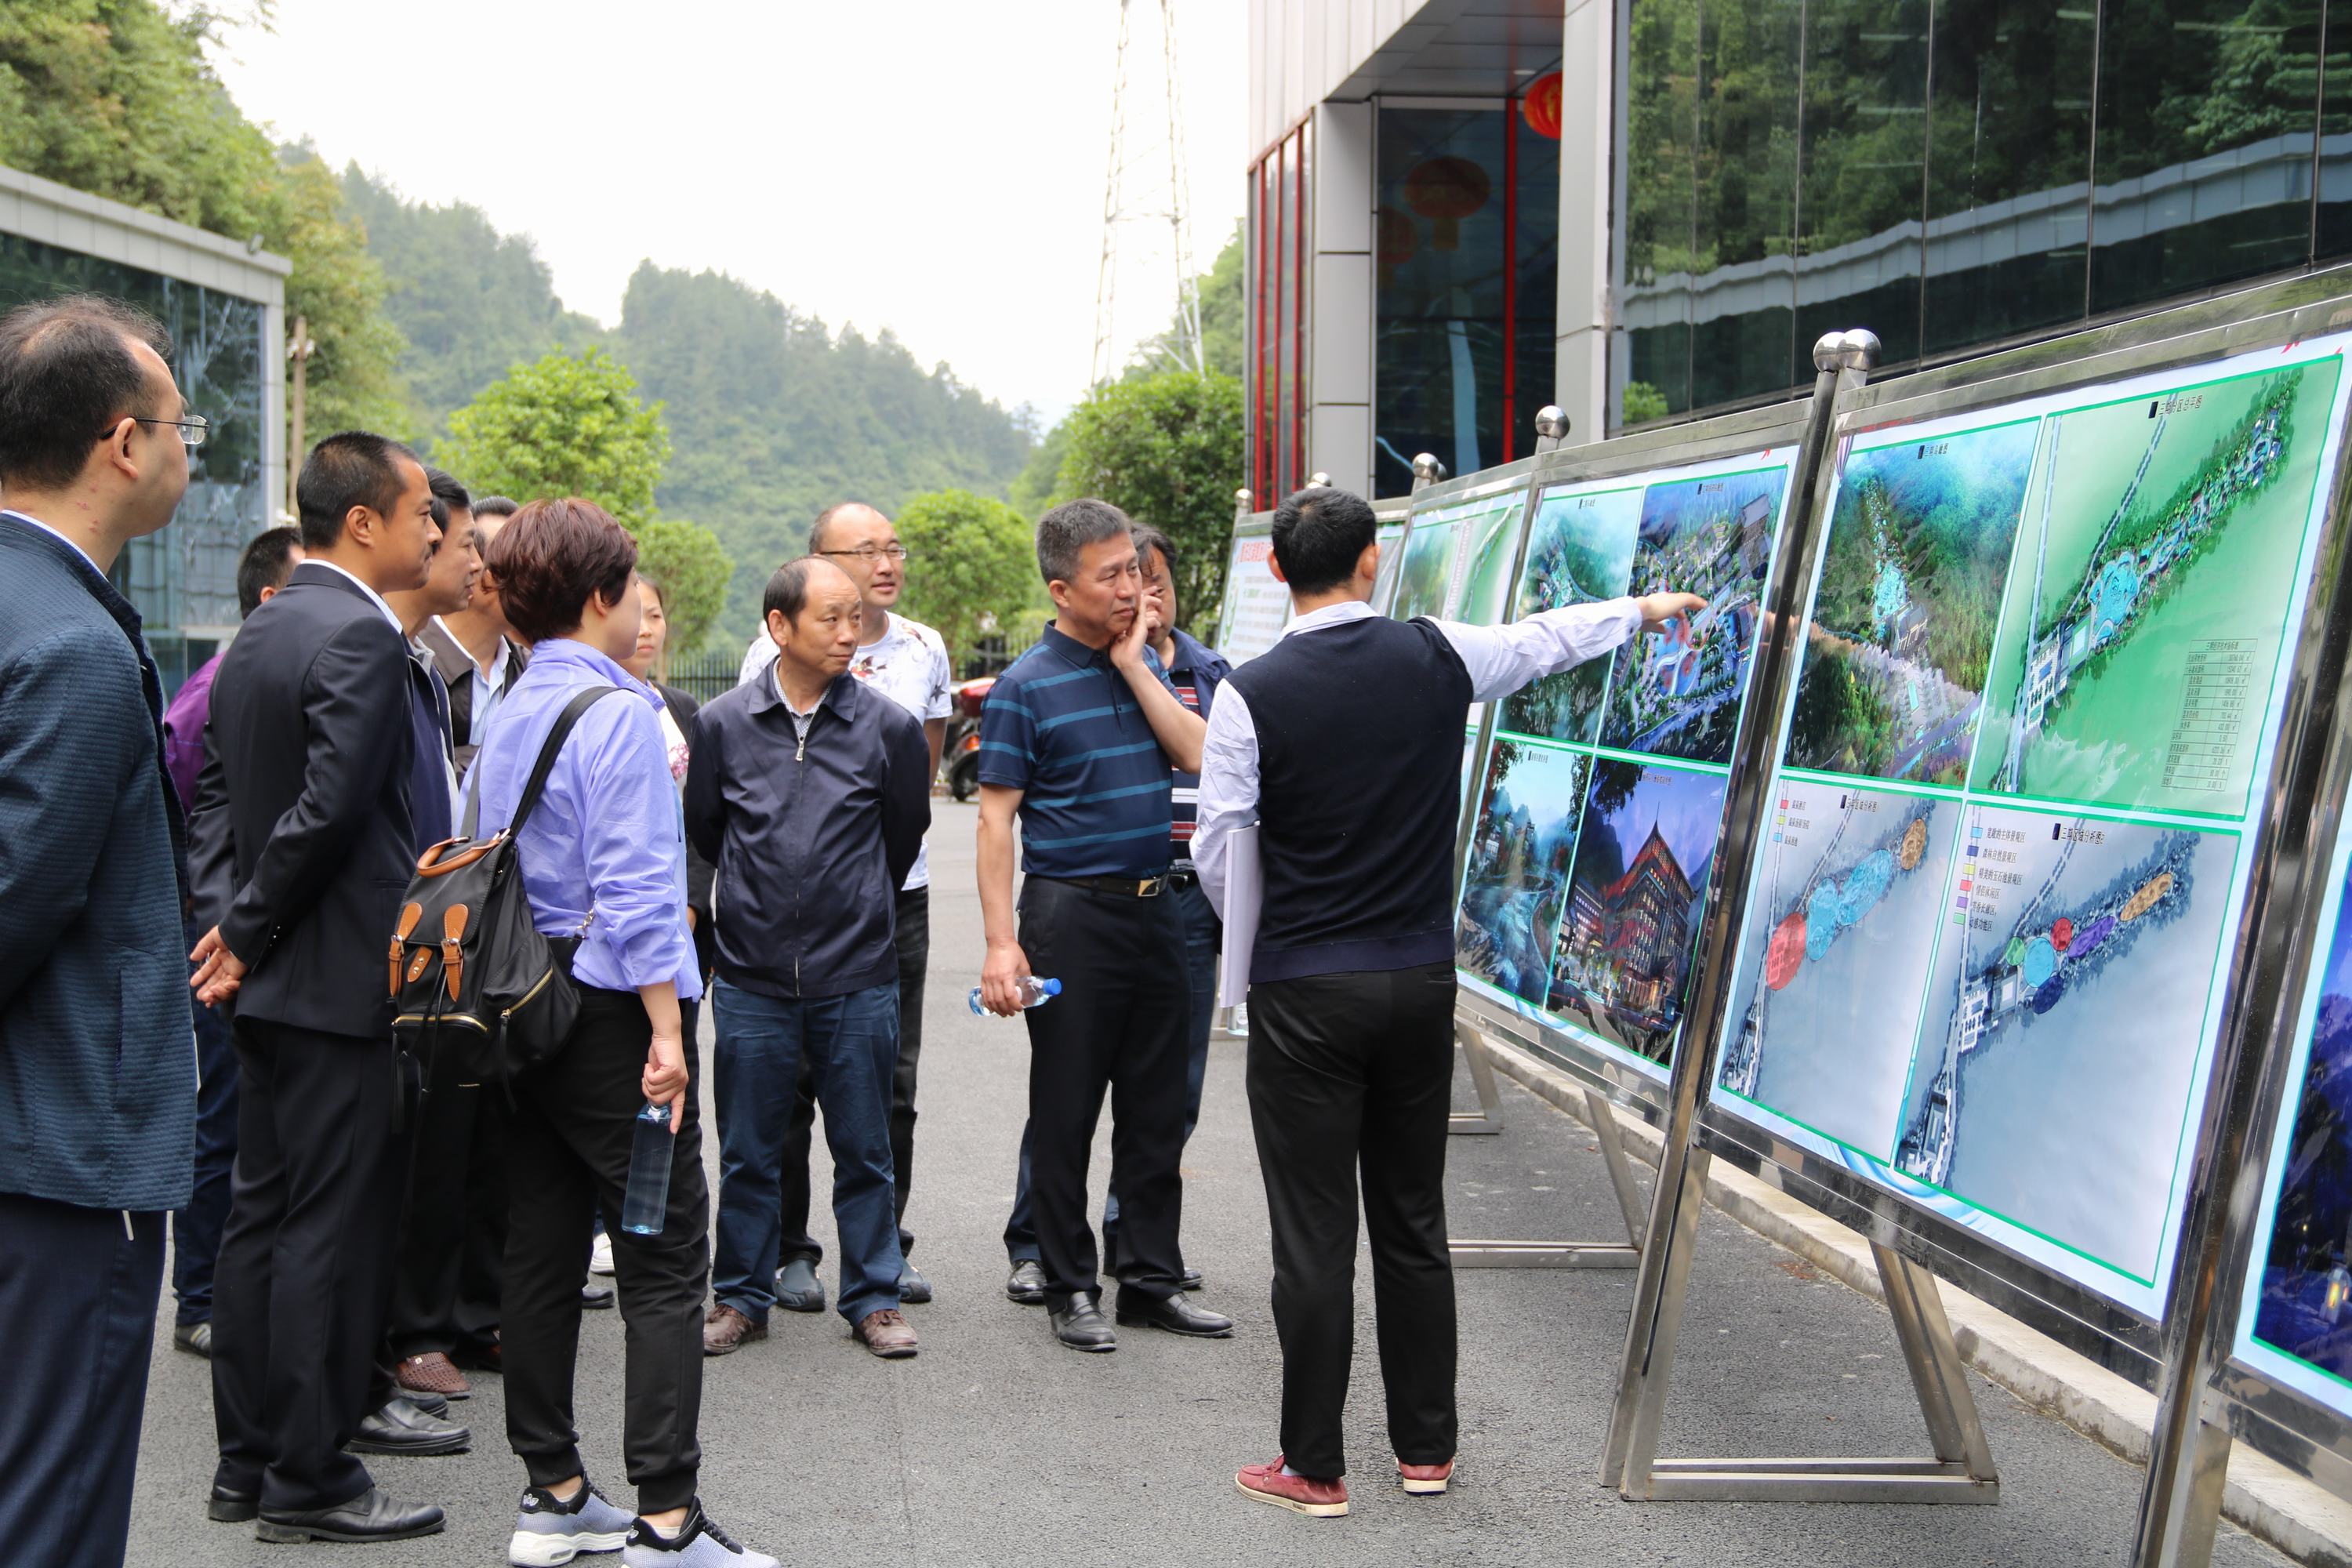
(1659, 254)
(1742, 312)
(2204, 144)
(2009, 168)
(1438, 354)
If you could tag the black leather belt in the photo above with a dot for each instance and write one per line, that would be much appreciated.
(1126, 887)
(1184, 879)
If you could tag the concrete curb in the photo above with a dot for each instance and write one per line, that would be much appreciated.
(2264, 1499)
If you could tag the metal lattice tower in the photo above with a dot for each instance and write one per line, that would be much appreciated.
(1146, 225)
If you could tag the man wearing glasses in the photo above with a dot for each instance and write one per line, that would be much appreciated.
(907, 662)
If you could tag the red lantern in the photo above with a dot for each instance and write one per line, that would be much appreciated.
(1541, 106)
(1398, 240)
(1445, 191)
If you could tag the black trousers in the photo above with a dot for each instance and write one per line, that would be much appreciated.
(568, 1157)
(1349, 1073)
(305, 1271)
(445, 1294)
(78, 1289)
(914, 915)
(1119, 1024)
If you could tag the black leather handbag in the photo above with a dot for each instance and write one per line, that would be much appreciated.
(469, 971)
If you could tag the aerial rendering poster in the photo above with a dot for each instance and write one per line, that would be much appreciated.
(1902, 633)
(2144, 613)
(1487, 572)
(1642, 853)
(2065, 1014)
(1580, 550)
(1425, 575)
(1839, 936)
(1678, 692)
(1515, 879)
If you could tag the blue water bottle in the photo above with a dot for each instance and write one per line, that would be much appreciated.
(1034, 993)
(648, 1200)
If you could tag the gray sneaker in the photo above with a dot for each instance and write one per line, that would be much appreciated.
(699, 1543)
(551, 1530)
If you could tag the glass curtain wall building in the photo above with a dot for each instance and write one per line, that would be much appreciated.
(1647, 209)
(223, 306)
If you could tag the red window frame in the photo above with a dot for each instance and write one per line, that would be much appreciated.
(1277, 460)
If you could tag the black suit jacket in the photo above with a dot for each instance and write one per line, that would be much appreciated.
(699, 873)
(303, 803)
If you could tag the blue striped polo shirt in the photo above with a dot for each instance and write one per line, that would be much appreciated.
(1063, 727)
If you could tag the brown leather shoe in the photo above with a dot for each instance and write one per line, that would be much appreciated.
(726, 1331)
(887, 1334)
(434, 1372)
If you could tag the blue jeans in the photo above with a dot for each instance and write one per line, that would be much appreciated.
(852, 1044)
(1204, 938)
(196, 1229)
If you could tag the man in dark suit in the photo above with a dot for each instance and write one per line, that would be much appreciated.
(308, 782)
(98, 1084)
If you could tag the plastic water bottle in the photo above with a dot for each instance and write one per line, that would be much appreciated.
(648, 1199)
(1034, 993)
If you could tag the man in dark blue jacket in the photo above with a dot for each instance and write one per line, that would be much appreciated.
(98, 1080)
(811, 795)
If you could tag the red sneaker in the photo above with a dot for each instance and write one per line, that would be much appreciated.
(1424, 1481)
(1300, 1494)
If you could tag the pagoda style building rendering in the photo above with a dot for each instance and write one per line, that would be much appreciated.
(1646, 921)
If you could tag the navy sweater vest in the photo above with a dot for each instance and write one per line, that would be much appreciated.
(1359, 731)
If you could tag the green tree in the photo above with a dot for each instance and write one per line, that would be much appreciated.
(972, 565)
(116, 98)
(1166, 451)
(567, 424)
(687, 564)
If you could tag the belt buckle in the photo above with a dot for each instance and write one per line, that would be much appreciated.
(1150, 886)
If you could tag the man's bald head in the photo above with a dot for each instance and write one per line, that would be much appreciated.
(851, 515)
(861, 542)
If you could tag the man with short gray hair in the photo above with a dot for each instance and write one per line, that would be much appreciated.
(1077, 740)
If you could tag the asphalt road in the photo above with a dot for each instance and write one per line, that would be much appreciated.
(996, 1447)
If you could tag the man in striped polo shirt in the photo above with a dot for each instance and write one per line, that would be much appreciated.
(1194, 670)
(1077, 741)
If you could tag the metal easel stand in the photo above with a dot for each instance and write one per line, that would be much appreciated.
(1961, 1467)
(1626, 1253)
(1961, 1470)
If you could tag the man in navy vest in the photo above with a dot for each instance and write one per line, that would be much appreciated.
(1343, 742)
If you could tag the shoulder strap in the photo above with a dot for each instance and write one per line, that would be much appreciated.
(548, 751)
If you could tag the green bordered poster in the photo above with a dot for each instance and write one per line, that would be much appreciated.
(2044, 657)
(1596, 808)
(1257, 603)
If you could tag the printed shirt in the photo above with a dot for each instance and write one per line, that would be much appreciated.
(1196, 672)
(1062, 726)
(908, 664)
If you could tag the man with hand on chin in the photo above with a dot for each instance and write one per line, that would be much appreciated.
(1343, 742)
(1077, 739)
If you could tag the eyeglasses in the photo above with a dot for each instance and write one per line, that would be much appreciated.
(192, 430)
(868, 554)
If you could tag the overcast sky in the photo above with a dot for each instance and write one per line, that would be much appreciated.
(933, 167)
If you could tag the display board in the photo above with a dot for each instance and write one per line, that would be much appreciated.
(1257, 603)
(1983, 955)
(2294, 1324)
(1598, 801)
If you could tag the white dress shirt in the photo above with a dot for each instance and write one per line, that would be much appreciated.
(1500, 660)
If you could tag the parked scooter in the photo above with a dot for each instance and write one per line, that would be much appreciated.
(961, 753)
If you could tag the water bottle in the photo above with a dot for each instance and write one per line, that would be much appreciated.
(648, 1199)
(1034, 993)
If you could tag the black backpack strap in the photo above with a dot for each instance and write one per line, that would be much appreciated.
(550, 750)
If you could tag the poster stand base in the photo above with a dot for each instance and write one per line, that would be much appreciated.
(1626, 1253)
(1961, 1470)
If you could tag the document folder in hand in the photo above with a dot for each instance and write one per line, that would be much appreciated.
(1243, 891)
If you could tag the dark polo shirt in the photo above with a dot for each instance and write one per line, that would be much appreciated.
(1063, 727)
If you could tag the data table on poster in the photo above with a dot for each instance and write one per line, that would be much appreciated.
(1595, 809)
(2043, 659)
(1257, 603)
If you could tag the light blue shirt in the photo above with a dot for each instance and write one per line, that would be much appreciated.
(606, 843)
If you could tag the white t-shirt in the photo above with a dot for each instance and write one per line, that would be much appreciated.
(908, 665)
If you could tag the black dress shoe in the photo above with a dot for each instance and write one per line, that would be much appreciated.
(1082, 1327)
(1190, 1280)
(431, 1403)
(596, 1298)
(1174, 1314)
(228, 1506)
(914, 1290)
(371, 1516)
(196, 1338)
(403, 1427)
(1027, 1285)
